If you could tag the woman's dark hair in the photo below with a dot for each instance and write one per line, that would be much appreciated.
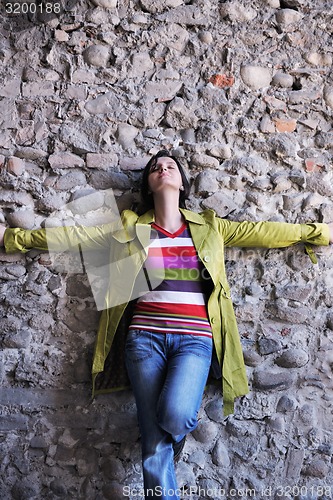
(147, 196)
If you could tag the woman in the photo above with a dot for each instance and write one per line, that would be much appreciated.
(174, 327)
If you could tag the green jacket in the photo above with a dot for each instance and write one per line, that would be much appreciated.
(130, 237)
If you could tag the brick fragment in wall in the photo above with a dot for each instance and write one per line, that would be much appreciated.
(285, 124)
(222, 81)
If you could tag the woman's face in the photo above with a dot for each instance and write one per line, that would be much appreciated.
(164, 174)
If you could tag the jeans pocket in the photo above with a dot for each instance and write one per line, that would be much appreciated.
(200, 345)
(138, 346)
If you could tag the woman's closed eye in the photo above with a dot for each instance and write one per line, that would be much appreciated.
(158, 167)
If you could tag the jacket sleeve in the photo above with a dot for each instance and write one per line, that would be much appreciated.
(272, 234)
(58, 238)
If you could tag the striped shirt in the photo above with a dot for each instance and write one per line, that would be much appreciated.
(177, 304)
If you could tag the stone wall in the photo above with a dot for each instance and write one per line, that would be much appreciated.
(242, 92)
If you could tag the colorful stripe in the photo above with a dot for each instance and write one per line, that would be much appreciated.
(178, 304)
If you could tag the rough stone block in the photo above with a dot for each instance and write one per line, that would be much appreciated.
(65, 160)
(269, 380)
(101, 160)
(38, 89)
(293, 358)
(256, 77)
(97, 55)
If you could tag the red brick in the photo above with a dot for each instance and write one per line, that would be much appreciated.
(313, 165)
(222, 81)
(285, 124)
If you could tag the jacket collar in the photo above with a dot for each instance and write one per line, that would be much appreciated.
(189, 216)
(131, 225)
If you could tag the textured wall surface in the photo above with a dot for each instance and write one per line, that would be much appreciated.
(242, 92)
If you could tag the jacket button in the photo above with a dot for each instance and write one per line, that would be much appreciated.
(206, 258)
(213, 320)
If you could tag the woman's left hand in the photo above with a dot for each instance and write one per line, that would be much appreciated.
(330, 225)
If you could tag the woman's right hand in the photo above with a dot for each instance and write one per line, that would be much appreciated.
(2, 232)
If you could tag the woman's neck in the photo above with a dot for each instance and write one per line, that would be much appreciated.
(167, 215)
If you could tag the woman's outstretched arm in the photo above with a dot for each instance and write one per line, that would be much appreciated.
(56, 239)
(274, 234)
(3, 229)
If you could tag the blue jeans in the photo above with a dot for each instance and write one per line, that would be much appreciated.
(168, 373)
